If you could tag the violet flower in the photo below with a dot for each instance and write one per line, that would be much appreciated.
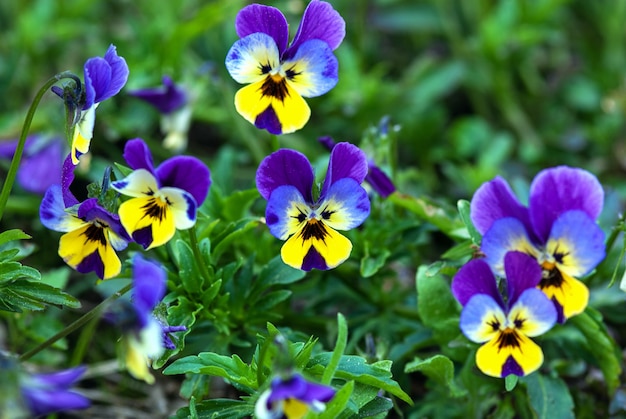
(504, 326)
(285, 179)
(41, 162)
(376, 177)
(48, 393)
(292, 398)
(163, 199)
(558, 228)
(279, 76)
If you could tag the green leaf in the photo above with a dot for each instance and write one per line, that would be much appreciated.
(510, 382)
(271, 299)
(339, 402)
(549, 396)
(188, 271)
(379, 405)
(44, 293)
(217, 409)
(601, 345)
(10, 271)
(10, 235)
(340, 346)
(236, 204)
(436, 306)
(431, 212)
(352, 367)
(370, 265)
(231, 368)
(438, 368)
(464, 211)
(275, 272)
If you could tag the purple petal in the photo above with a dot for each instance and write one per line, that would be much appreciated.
(512, 367)
(7, 148)
(119, 72)
(279, 210)
(285, 167)
(42, 169)
(560, 189)
(327, 141)
(98, 75)
(522, 273)
(149, 284)
(579, 242)
(265, 19)
(475, 277)
(143, 236)
(320, 21)
(187, 173)
(346, 205)
(298, 388)
(166, 98)
(495, 200)
(379, 181)
(505, 235)
(313, 260)
(67, 177)
(318, 68)
(60, 379)
(268, 120)
(90, 211)
(92, 263)
(346, 161)
(138, 156)
(46, 401)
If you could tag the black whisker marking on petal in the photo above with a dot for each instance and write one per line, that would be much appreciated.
(276, 87)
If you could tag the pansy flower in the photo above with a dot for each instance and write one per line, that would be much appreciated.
(558, 228)
(171, 101)
(504, 327)
(52, 392)
(104, 77)
(285, 179)
(163, 199)
(278, 76)
(376, 177)
(292, 398)
(145, 338)
(92, 234)
(41, 162)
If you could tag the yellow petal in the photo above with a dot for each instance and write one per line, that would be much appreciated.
(295, 409)
(149, 212)
(333, 247)
(75, 246)
(571, 294)
(491, 357)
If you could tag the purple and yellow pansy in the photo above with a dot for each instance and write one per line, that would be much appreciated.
(309, 226)
(92, 234)
(504, 327)
(104, 77)
(293, 398)
(558, 228)
(163, 199)
(145, 338)
(278, 76)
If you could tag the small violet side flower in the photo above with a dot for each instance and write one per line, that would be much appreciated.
(163, 199)
(292, 398)
(92, 234)
(41, 163)
(376, 177)
(104, 78)
(145, 337)
(278, 76)
(48, 393)
(171, 101)
(285, 179)
(558, 228)
(504, 328)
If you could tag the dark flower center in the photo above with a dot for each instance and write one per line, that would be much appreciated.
(508, 338)
(550, 276)
(275, 86)
(314, 228)
(95, 233)
(156, 208)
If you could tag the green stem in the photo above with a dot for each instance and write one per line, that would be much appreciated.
(202, 264)
(340, 347)
(17, 157)
(274, 143)
(91, 314)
